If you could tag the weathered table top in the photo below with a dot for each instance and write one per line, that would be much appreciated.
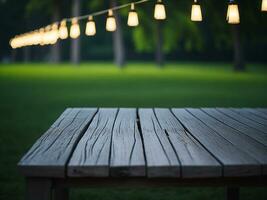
(187, 143)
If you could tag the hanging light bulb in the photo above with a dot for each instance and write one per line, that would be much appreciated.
(233, 13)
(133, 17)
(111, 22)
(42, 36)
(74, 29)
(63, 30)
(159, 11)
(196, 14)
(12, 43)
(90, 27)
(264, 5)
(46, 37)
(54, 34)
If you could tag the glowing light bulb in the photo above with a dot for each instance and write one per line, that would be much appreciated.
(90, 27)
(196, 14)
(54, 34)
(74, 29)
(46, 36)
(63, 30)
(264, 5)
(159, 11)
(12, 43)
(233, 13)
(132, 17)
(111, 22)
(42, 36)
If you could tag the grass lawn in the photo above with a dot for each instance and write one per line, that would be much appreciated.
(32, 96)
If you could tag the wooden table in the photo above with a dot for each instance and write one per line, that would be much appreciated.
(152, 147)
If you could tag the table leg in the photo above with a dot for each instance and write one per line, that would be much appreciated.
(38, 189)
(61, 193)
(232, 193)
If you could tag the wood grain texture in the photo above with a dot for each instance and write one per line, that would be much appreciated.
(195, 160)
(243, 120)
(91, 156)
(235, 162)
(49, 155)
(241, 141)
(160, 156)
(250, 116)
(251, 132)
(262, 110)
(127, 154)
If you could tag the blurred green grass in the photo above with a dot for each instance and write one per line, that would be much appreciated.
(33, 95)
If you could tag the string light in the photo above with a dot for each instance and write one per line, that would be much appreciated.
(233, 13)
(264, 5)
(42, 35)
(63, 30)
(46, 36)
(196, 14)
(90, 27)
(159, 11)
(132, 17)
(111, 22)
(74, 29)
(51, 33)
(54, 34)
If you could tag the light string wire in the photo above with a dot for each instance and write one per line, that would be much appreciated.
(104, 11)
(44, 29)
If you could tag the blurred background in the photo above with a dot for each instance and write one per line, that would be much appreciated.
(176, 39)
(173, 63)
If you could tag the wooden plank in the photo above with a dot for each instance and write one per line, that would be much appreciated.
(253, 133)
(243, 120)
(91, 156)
(195, 160)
(127, 154)
(241, 141)
(262, 110)
(160, 155)
(250, 116)
(235, 162)
(49, 155)
(259, 112)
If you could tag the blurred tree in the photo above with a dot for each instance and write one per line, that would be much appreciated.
(117, 36)
(75, 43)
(118, 42)
(47, 8)
(163, 37)
(55, 49)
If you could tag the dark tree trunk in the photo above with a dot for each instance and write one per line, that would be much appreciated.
(55, 49)
(239, 63)
(26, 54)
(13, 55)
(118, 43)
(159, 45)
(75, 43)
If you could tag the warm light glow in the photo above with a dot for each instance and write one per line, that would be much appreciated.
(159, 11)
(90, 27)
(63, 30)
(196, 14)
(74, 29)
(111, 22)
(54, 34)
(233, 14)
(264, 5)
(42, 34)
(47, 35)
(132, 17)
